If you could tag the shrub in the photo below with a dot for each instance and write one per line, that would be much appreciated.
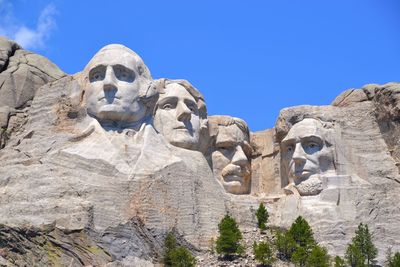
(181, 257)
(262, 216)
(228, 242)
(263, 253)
(395, 260)
(338, 262)
(285, 245)
(392, 261)
(177, 256)
(318, 257)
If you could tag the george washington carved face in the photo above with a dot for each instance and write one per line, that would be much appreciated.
(116, 79)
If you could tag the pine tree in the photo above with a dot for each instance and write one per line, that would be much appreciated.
(263, 253)
(396, 260)
(318, 257)
(392, 261)
(302, 233)
(354, 256)
(177, 256)
(228, 242)
(262, 216)
(299, 256)
(170, 245)
(285, 245)
(181, 257)
(361, 248)
(338, 262)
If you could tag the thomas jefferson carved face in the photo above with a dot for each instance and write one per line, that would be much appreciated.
(115, 80)
(306, 154)
(230, 158)
(177, 117)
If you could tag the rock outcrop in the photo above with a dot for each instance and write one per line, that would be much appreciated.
(21, 74)
(97, 167)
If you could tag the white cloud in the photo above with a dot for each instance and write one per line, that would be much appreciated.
(28, 38)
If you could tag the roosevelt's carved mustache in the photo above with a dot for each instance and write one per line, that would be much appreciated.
(232, 169)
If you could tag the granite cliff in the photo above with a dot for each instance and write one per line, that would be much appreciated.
(97, 167)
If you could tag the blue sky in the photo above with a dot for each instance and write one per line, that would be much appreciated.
(249, 58)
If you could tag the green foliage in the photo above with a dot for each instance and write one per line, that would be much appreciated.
(181, 257)
(263, 253)
(170, 242)
(298, 245)
(392, 261)
(177, 256)
(303, 237)
(339, 262)
(285, 245)
(361, 248)
(262, 216)
(302, 233)
(228, 242)
(318, 257)
(354, 256)
(299, 256)
(396, 260)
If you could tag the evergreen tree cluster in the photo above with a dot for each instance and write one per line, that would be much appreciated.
(296, 245)
(299, 246)
(361, 251)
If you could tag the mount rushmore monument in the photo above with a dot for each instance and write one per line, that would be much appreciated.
(97, 167)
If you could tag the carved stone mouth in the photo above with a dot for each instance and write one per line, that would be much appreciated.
(103, 97)
(180, 128)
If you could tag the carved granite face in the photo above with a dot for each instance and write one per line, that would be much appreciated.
(177, 117)
(306, 154)
(231, 159)
(114, 82)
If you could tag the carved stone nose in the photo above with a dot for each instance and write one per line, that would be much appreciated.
(239, 158)
(109, 82)
(183, 112)
(299, 156)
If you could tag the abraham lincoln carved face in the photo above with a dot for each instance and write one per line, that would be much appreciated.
(306, 154)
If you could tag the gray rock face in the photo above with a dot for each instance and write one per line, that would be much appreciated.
(21, 74)
(363, 186)
(86, 179)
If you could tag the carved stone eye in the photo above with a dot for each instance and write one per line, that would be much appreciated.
(167, 106)
(97, 76)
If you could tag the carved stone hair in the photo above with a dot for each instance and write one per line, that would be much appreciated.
(216, 121)
(198, 97)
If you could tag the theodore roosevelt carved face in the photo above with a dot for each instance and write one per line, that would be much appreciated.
(231, 154)
(306, 154)
(180, 114)
(115, 81)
